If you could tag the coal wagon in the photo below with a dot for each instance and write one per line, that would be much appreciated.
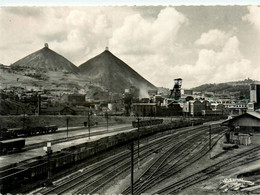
(11, 145)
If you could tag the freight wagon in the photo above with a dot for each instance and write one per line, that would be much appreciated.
(12, 178)
(11, 145)
(143, 123)
(16, 132)
(32, 171)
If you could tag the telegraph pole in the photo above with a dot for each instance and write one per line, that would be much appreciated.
(210, 137)
(48, 150)
(132, 167)
(67, 127)
(88, 125)
(39, 104)
(23, 120)
(138, 144)
(106, 115)
(210, 141)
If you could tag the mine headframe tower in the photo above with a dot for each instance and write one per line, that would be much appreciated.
(176, 91)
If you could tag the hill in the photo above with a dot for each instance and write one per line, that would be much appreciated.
(241, 87)
(46, 60)
(102, 77)
(113, 74)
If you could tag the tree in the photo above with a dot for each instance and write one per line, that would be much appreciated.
(128, 100)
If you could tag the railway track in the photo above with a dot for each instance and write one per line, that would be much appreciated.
(101, 166)
(182, 163)
(103, 182)
(179, 158)
(147, 149)
(211, 171)
(105, 179)
(56, 141)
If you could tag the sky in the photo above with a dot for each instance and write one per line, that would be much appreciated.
(200, 44)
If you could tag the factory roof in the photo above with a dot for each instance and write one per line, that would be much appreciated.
(254, 114)
(145, 104)
(250, 114)
(12, 140)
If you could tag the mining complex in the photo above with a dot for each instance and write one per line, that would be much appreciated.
(101, 128)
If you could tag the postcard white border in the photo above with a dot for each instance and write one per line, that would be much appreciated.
(124, 2)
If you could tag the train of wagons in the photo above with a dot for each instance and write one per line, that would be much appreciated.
(16, 175)
(11, 145)
(29, 131)
(147, 122)
(10, 139)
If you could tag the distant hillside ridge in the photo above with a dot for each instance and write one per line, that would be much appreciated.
(223, 86)
(46, 59)
(247, 81)
(114, 74)
(235, 86)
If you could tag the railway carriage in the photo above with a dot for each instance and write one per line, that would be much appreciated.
(52, 128)
(11, 145)
(143, 123)
(37, 169)
(62, 159)
(5, 134)
(12, 177)
(28, 131)
(13, 133)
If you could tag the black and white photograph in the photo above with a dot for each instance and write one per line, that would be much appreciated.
(130, 99)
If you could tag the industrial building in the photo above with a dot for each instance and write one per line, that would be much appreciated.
(154, 109)
(242, 127)
(176, 105)
(231, 107)
(246, 123)
(74, 98)
(144, 109)
(254, 103)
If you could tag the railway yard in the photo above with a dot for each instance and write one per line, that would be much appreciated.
(60, 140)
(174, 157)
(109, 124)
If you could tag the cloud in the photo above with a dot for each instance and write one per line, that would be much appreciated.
(78, 33)
(140, 36)
(160, 43)
(214, 67)
(148, 46)
(213, 37)
(253, 17)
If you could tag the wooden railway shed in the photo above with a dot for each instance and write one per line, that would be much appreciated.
(248, 122)
(242, 127)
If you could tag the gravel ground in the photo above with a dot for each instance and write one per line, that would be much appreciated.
(125, 180)
(210, 186)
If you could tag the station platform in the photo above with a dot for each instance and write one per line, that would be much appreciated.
(73, 131)
(6, 160)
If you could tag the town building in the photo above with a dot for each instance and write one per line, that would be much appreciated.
(195, 108)
(242, 127)
(73, 98)
(254, 103)
(144, 109)
(246, 123)
(232, 107)
(188, 92)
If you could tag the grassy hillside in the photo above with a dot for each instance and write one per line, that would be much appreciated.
(241, 87)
